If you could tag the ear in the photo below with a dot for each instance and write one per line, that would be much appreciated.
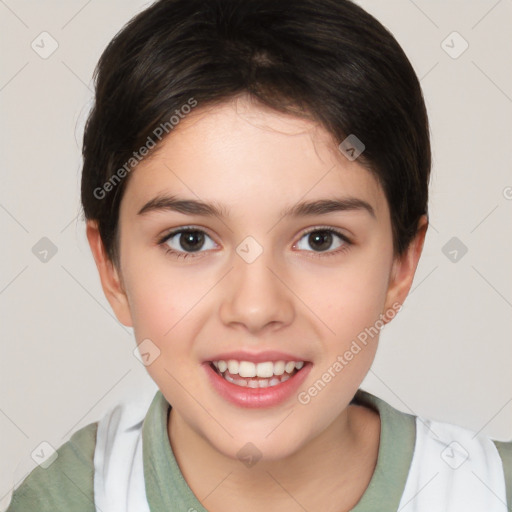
(404, 268)
(111, 281)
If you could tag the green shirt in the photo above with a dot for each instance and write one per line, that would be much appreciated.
(68, 483)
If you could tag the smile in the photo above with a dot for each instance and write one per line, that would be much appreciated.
(256, 375)
(270, 379)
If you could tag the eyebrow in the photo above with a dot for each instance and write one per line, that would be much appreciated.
(301, 209)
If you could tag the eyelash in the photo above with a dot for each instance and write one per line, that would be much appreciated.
(322, 254)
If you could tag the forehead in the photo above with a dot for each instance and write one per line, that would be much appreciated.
(243, 154)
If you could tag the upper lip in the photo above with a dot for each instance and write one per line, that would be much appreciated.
(256, 357)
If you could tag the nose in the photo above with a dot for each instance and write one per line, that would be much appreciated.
(256, 298)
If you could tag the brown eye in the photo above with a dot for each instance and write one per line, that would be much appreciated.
(185, 241)
(191, 240)
(320, 240)
(323, 240)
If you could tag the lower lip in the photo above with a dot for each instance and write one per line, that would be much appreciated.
(256, 397)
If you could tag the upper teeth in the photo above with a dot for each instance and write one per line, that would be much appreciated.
(265, 370)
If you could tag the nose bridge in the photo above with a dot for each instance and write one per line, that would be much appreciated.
(256, 296)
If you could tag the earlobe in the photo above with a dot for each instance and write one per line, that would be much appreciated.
(404, 268)
(109, 276)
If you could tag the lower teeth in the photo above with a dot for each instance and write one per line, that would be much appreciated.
(257, 383)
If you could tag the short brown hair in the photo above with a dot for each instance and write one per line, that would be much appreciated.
(327, 58)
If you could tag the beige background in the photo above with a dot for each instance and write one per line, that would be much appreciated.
(65, 359)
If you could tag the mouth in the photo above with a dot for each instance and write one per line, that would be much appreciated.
(262, 382)
(247, 374)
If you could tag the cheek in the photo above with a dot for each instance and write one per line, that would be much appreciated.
(164, 306)
(350, 297)
(162, 300)
(349, 302)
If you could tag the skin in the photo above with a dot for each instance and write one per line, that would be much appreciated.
(293, 298)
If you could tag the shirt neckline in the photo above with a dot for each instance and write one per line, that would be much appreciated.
(396, 448)
(166, 488)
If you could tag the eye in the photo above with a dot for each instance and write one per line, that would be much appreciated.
(324, 240)
(183, 242)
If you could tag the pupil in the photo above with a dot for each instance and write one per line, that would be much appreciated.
(322, 240)
(192, 240)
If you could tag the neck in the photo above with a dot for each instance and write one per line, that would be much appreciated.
(329, 473)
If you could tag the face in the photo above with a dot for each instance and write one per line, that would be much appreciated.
(255, 279)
